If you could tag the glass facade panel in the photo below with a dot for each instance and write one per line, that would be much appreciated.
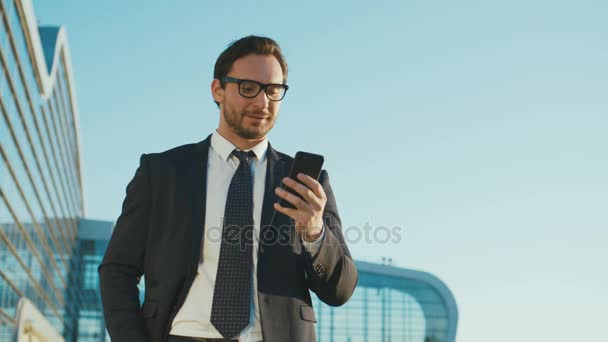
(58, 192)
(57, 110)
(60, 154)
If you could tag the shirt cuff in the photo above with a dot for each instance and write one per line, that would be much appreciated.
(313, 247)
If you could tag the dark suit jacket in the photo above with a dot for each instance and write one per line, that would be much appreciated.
(159, 235)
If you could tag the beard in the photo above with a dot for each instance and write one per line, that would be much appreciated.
(236, 121)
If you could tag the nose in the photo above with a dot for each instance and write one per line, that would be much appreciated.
(261, 101)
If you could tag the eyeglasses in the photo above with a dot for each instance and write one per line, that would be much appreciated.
(251, 89)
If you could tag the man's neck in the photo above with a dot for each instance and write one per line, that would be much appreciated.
(241, 143)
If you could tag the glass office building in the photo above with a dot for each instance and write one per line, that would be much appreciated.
(44, 256)
(391, 304)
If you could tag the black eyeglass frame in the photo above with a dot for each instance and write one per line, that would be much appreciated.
(263, 87)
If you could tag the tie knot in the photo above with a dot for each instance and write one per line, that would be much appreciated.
(243, 156)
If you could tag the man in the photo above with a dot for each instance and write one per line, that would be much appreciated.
(222, 259)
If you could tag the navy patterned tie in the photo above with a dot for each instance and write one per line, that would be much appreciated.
(232, 294)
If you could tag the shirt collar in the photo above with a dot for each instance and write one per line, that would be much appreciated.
(224, 147)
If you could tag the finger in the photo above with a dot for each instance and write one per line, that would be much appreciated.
(312, 184)
(293, 213)
(308, 195)
(291, 198)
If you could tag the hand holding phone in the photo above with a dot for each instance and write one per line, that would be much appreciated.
(309, 164)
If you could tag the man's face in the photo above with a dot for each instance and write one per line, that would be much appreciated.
(249, 118)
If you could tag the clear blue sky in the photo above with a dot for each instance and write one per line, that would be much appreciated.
(480, 127)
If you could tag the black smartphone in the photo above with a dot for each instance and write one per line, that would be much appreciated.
(307, 163)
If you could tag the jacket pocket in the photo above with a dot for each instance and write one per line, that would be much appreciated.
(149, 309)
(307, 313)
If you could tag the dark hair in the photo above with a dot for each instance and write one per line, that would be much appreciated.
(246, 46)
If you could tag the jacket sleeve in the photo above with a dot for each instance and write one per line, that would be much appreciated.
(331, 273)
(122, 265)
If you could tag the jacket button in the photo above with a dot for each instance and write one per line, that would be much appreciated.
(320, 269)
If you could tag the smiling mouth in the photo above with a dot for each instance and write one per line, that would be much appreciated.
(257, 117)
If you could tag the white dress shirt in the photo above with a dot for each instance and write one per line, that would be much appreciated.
(193, 318)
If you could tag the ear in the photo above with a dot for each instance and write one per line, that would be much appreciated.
(216, 90)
